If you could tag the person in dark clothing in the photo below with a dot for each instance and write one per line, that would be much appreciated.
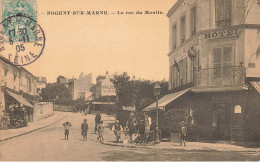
(97, 121)
(132, 125)
(84, 129)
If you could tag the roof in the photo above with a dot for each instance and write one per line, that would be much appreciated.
(256, 85)
(174, 7)
(19, 98)
(165, 100)
(18, 67)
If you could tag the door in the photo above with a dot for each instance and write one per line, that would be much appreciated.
(221, 121)
(222, 61)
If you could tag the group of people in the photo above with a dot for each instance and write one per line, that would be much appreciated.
(15, 116)
(136, 132)
(84, 128)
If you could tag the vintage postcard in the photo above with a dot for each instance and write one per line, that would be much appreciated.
(129, 80)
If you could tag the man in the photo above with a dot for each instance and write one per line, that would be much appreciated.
(132, 125)
(84, 129)
(117, 128)
(97, 121)
(183, 133)
(148, 122)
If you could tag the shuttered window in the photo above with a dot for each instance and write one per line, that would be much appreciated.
(223, 12)
(193, 21)
(182, 29)
(174, 37)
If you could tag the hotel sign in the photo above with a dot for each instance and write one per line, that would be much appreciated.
(222, 34)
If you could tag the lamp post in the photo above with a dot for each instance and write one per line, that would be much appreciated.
(157, 90)
(192, 53)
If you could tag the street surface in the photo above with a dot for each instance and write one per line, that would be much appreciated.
(49, 144)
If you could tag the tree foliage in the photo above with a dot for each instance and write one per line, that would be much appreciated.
(136, 92)
(55, 91)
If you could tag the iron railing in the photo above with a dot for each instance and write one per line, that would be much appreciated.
(230, 75)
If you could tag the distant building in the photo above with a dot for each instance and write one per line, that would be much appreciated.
(104, 86)
(41, 83)
(61, 80)
(80, 88)
(104, 94)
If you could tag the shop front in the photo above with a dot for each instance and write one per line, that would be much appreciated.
(18, 111)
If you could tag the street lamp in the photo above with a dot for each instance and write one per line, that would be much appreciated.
(192, 53)
(157, 90)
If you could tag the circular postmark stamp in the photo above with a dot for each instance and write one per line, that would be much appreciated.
(22, 40)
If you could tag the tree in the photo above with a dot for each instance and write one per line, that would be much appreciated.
(136, 92)
(55, 91)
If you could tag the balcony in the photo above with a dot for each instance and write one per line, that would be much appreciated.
(223, 76)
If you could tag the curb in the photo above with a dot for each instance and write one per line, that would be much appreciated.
(180, 149)
(8, 138)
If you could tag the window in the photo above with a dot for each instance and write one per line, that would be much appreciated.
(193, 21)
(174, 37)
(182, 29)
(172, 76)
(183, 71)
(223, 13)
(222, 61)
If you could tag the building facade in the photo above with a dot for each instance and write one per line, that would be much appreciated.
(213, 60)
(41, 83)
(18, 87)
(80, 88)
(104, 86)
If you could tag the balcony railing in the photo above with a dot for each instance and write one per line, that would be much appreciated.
(230, 75)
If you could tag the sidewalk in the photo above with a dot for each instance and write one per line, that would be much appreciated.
(110, 138)
(7, 134)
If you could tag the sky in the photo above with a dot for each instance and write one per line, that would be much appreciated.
(136, 44)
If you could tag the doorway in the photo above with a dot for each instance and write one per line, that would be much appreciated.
(221, 121)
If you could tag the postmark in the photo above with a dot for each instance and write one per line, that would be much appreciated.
(22, 40)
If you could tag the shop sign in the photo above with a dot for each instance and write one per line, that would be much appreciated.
(222, 34)
(221, 98)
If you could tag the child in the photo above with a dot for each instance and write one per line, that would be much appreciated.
(84, 129)
(100, 132)
(117, 128)
(66, 128)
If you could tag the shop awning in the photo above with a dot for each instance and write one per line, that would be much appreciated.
(19, 98)
(165, 100)
(256, 85)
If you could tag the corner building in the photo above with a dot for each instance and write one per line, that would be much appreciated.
(214, 67)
